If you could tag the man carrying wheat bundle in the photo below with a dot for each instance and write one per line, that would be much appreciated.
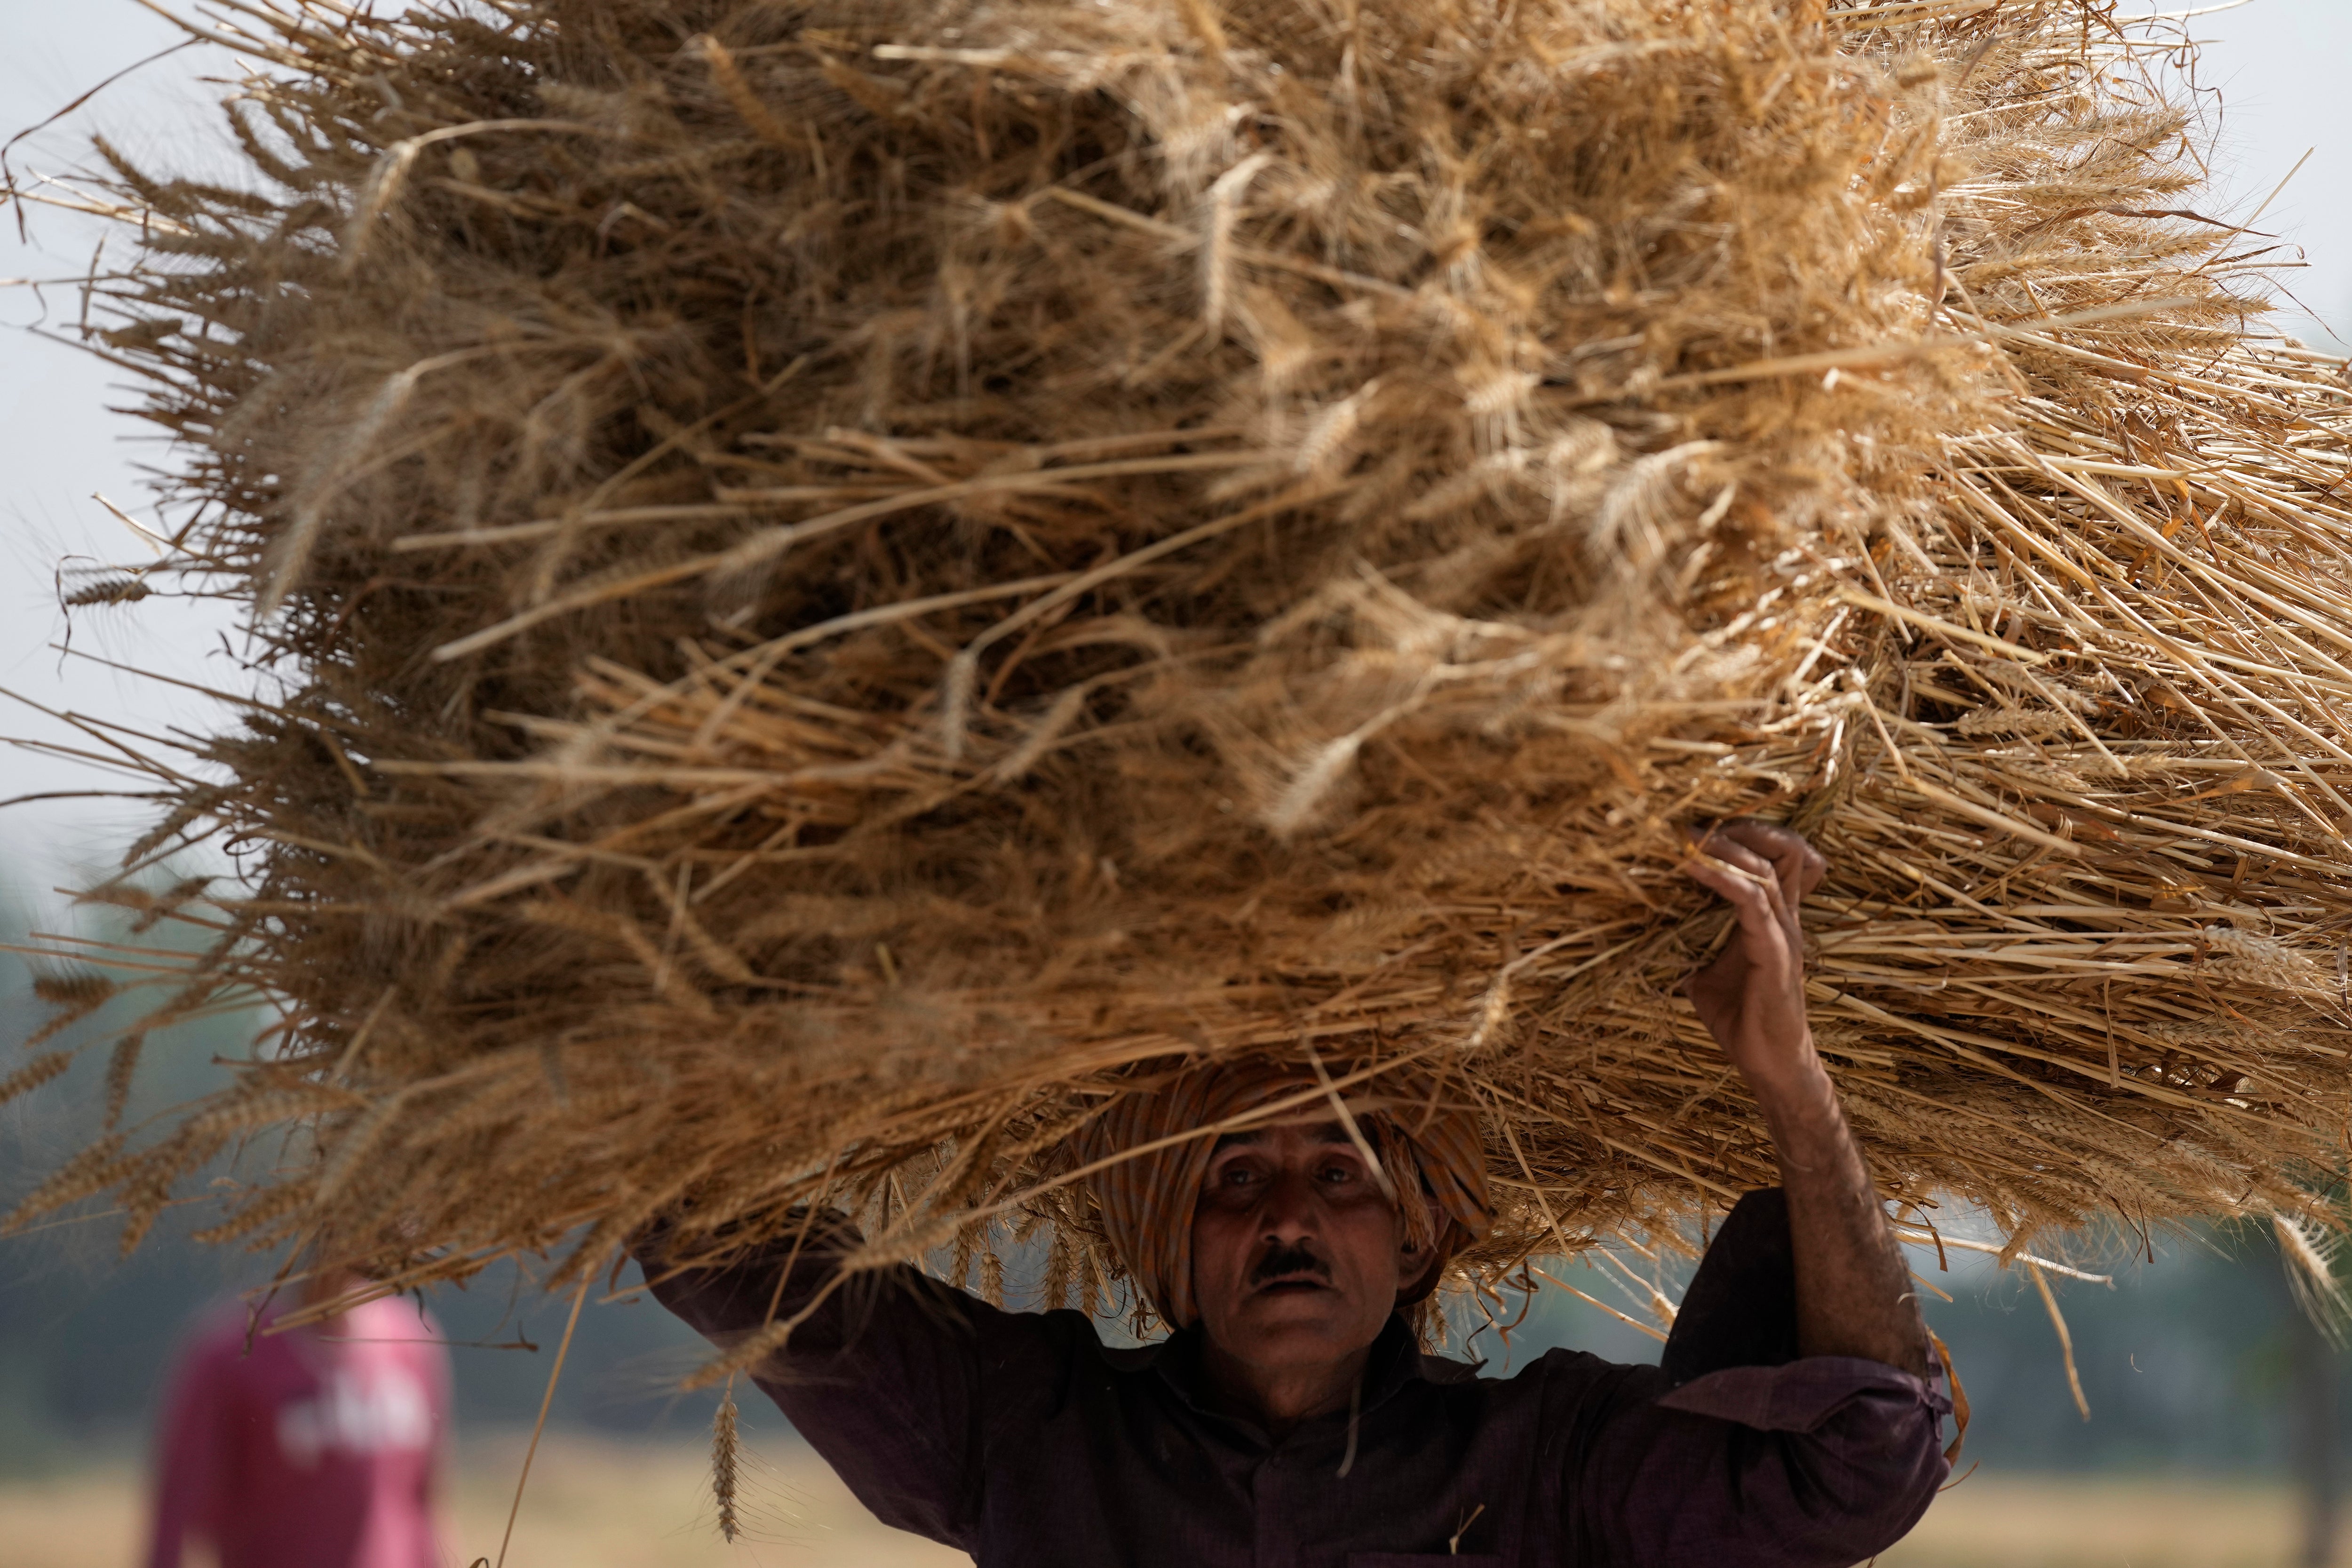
(908, 590)
(1290, 1418)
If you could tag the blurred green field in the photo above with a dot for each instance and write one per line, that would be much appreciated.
(596, 1503)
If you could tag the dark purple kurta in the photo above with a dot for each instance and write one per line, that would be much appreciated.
(1022, 1439)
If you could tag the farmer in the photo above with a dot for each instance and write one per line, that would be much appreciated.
(1290, 1418)
(311, 1446)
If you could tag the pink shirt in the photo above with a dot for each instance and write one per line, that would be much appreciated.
(316, 1450)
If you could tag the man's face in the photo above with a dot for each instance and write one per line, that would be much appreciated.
(1297, 1258)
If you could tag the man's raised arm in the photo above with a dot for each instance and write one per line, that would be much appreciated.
(1853, 1293)
(884, 1380)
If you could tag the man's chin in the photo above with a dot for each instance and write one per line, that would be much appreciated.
(1295, 1326)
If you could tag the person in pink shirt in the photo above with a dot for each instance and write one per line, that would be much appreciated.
(318, 1447)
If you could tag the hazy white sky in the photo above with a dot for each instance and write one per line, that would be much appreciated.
(2279, 65)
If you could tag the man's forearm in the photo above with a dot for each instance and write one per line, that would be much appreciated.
(1854, 1290)
(774, 1282)
(1853, 1294)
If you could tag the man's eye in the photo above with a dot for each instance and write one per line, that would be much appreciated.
(1336, 1173)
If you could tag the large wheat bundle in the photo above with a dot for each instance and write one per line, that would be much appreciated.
(844, 583)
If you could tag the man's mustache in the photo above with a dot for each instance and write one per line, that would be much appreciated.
(1286, 1260)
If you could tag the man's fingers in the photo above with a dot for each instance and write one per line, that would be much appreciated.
(1749, 882)
(1753, 893)
(1762, 871)
(1796, 863)
(1732, 852)
(1720, 876)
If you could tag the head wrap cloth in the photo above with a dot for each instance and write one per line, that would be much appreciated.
(1430, 1150)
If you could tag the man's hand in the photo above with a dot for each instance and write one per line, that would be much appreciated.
(1752, 997)
(1853, 1295)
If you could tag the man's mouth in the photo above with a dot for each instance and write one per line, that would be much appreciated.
(1289, 1269)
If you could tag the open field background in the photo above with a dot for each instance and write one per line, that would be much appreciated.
(592, 1503)
(601, 1503)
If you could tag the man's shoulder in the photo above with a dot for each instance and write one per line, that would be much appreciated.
(1063, 1336)
(1126, 1355)
(1554, 1372)
(1031, 1363)
(1447, 1373)
(1515, 1364)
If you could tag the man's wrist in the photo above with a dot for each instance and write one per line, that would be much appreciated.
(1799, 1084)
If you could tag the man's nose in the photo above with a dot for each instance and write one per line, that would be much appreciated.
(1291, 1208)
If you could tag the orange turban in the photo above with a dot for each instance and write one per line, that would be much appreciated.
(1429, 1148)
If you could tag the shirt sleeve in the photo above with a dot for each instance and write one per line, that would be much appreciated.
(885, 1379)
(190, 1450)
(1737, 1451)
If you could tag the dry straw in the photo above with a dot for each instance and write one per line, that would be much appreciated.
(842, 583)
